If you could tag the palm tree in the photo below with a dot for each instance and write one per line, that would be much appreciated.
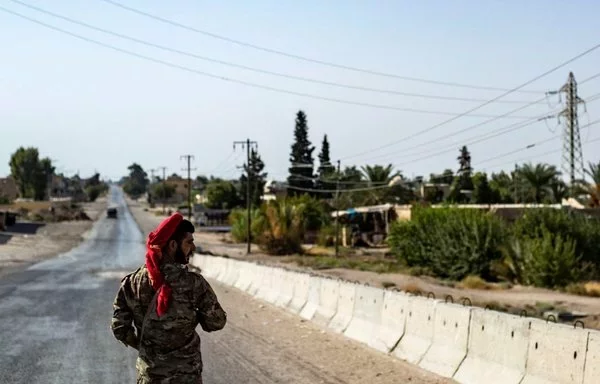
(593, 188)
(378, 174)
(538, 179)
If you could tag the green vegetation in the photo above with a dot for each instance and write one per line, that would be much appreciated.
(545, 247)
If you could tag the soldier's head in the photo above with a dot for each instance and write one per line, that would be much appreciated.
(180, 246)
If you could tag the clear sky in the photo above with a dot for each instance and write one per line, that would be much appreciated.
(92, 108)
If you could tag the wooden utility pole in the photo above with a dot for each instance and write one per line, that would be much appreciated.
(188, 169)
(164, 185)
(247, 143)
(337, 211)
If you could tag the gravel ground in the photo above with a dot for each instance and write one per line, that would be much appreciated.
(273, 346)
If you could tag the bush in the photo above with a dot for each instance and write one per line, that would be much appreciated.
(282, 232)
(326, 237)
(94, 191)
(450, 242)
(314, 213)
(585, 233)
(238, 219)
(550, 260)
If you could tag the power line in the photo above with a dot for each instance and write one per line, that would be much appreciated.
(304, 58)
(258, 70)
(248, 144)
(246, 83)
(587, 51)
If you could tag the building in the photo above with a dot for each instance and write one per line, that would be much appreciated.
(9, 190)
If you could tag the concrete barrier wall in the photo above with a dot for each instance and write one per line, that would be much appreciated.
(312, 302)
(471, 345)
(329, 292)
(450, 339)
(497, 351)
(592, 359)
(366, 317)
(393, 318)
(556, 354)
(345, 307)
(418, 332)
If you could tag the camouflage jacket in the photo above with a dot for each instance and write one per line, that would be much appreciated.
(170, 347)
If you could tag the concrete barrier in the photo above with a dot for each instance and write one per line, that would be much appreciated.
(275, 281)
(258, 280)
(329, 292)
(232, 272)
(246, 274)
(418, 332)
(450, 339)
(312, 303)
(366, 317)
(301, 283)
(286, 289)
(393, 317)
(345, 307)
(556, 354)
(497, 351)
(592, 359)
(265, 284)
(220, 267)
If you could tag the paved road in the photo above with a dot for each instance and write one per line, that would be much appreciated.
(55, 316)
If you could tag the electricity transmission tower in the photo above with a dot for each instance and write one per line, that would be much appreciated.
(248, 143)
(572, 163)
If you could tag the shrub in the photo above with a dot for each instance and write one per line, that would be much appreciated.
(314, 213)
(585, 233)
(282, 231)
(550, 260)
(451, 242)
(238, 219)
(326, 237)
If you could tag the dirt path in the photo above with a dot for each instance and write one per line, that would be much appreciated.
(19, 250)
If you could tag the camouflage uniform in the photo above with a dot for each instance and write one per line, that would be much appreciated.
(169, 351)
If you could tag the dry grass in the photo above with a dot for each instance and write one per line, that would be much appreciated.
(474, 282)
(26, 205)
(411, 288)
(590, 288)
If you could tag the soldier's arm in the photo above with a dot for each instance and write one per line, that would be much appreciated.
(122, 319)
(210, 314)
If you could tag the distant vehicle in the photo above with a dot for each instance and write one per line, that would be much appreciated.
(111, 212)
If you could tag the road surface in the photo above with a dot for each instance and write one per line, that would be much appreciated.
(55, 316)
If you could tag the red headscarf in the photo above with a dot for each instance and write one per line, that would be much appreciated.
(157, 239)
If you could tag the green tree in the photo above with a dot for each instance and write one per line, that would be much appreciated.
(537, 180)
(592, 189)
(503, 187)
(258, 179)
(162, 191)
(136, 184)
(445, 177)
(326, 171)
(462, 182)
(301, 171)
(222, 195)
(31, 173)
(482, 192)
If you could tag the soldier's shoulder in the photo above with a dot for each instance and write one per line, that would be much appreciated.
(134, 275)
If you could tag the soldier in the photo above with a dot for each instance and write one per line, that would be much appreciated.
(159, 306)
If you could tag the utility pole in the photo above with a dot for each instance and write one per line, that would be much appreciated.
(572, 153)
(164, 186)
(248, 143)
(188, 169)
(337, 211)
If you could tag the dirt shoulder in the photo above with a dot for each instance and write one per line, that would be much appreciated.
(18, 250)
(535, 301)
